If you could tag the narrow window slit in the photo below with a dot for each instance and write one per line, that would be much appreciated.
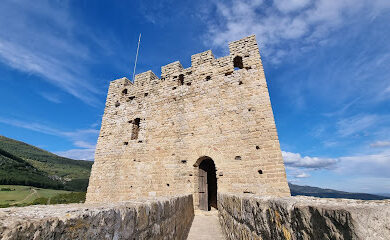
(237, 62)
(135, 130)
(181, 79)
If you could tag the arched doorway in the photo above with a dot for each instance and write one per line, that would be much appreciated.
(207, 184)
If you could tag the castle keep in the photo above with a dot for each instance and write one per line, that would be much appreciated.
(201, 130)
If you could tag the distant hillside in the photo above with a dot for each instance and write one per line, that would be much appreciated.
(330, 193)
(24, 164)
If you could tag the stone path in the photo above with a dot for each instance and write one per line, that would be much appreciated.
(205, 226)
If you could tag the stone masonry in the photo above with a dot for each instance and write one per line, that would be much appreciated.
(161, 218)
(156, 131)
(302, 218)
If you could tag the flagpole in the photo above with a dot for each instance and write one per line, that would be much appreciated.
(136, 56)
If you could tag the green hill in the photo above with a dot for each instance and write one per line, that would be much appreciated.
(297, 190)
(24, 164)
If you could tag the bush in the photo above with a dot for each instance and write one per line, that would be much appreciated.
(74, 197)
(40, 201)
(4, 205)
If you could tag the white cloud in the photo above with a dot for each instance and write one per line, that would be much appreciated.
(51, 97)
(290, 5)
(362, 166)
(302, 175)
(82, 138)
(38, 38)
(373, 165)
(380, 144)
(79, 154)
(356, 124)
(281, 26)
(296, 160)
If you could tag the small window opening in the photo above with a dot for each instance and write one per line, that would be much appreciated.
(260, 171)
(125, 143)
(249, 109)
(124, 91)
(189, 73)
(167, 184)
(228, 73)
(208, 78)
(173, 88)
(140, 141)
(188, 84)
(135, 130)
(131, 98)
(237, 158)
(240, 83)
(237, 61)
(257, 147)
(117, 104)
(146, 94)
(248, 68)
(181, 79)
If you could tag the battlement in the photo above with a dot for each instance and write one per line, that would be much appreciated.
(244, 53)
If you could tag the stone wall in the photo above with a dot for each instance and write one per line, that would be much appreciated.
(208, 109)
(268, 218)
(162, 218)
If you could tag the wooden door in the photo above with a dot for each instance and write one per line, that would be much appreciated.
(203, 194)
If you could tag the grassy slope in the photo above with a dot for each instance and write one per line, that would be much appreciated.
(25, 194)
(36, 163)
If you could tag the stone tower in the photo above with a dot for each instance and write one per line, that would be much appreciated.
(205, 129)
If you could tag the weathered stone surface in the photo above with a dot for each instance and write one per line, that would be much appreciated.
(156, 130)
(162, 218)
(269, 218)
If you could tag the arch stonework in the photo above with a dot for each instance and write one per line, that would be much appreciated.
(218, 112)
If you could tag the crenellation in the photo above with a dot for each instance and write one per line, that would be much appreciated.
(146, 78)
(217, 109)
(171, 69)
(199, 59)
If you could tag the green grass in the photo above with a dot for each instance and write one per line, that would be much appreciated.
(26, 195)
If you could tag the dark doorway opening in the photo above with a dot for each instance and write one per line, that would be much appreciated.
(207, 185)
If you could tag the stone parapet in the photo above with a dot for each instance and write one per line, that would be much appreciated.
(290, 218)
(160, 218)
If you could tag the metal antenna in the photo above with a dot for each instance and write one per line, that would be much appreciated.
(136, 56)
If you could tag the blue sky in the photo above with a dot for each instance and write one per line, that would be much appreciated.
(326, 61)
